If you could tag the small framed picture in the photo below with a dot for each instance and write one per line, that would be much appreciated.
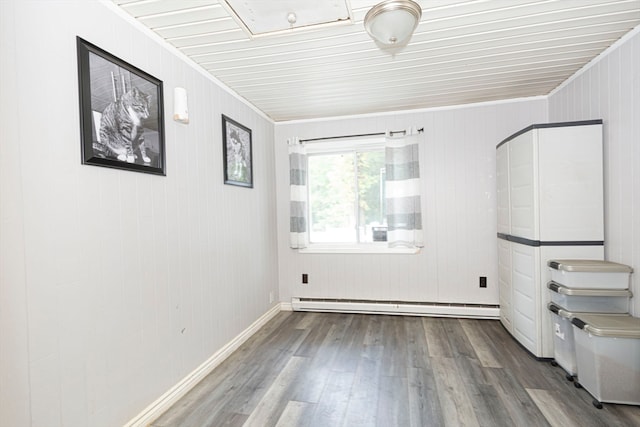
(237, 155)
(121, 113)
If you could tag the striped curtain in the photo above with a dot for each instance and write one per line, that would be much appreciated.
(298, 237)
(404, 216)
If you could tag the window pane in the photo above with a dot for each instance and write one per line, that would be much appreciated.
(372, 221)
(332, 198)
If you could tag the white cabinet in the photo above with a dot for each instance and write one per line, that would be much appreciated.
(549, 205)
(504, 283)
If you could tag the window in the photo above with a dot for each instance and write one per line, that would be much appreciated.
(346, 182)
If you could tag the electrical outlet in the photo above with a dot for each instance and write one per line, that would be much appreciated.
(483, 282)
(271, 297)
(305, 278)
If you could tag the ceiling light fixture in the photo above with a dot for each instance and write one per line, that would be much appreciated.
(392, 22)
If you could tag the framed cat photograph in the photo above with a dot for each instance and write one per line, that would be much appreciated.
(121, 113)
(237, 155)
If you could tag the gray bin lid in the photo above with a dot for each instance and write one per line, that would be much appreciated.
(608, 326)
(588, 266)
(590, 292)
(566, 314)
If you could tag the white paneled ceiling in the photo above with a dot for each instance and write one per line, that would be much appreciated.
(463, 51)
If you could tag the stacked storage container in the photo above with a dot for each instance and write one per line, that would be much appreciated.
(564, 339)
(608, 355)
(590, 274)
(593, 295)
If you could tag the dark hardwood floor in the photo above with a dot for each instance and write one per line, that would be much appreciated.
(329, 369)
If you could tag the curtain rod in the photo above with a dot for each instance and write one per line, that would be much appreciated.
(357, 136)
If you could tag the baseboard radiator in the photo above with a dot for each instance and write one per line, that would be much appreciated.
(405, 308)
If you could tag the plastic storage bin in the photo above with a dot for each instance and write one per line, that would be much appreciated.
(564, 351)
(608, 356)
(564, 348)
(586, 273)
(590, 300)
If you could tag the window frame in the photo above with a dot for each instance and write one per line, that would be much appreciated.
(353, 146)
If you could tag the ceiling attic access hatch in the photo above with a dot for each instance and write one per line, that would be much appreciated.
(264, 18)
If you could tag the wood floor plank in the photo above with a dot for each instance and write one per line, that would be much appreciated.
(627, 415)
(313, 380)
(484, 398)
(417, 350)
(394, 358)
(424, 401)
(460, 345)
(309, 319)
(331, 408)
(206, 401)
(393, 402)
(362, 407)
(270, 363)
(457, 409)
(480, 342)
(517, 360)
(273, 403)
(298, 414)
(576, 404)
(373, 336)
(224, 419)
(437, 342)
(515, 400)
(316, 334)
(352, 344)
(554, 411)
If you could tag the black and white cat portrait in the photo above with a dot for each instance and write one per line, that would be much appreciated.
(122, 130)
(121, 113)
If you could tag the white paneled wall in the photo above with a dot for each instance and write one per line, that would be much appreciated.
(609, 89)
(458, 175)
(115, 285)
(14, 346)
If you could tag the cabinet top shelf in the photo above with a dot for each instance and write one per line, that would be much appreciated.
(551, 125)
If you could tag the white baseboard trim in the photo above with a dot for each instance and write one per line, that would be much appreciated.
(403, 308)
(164, 402)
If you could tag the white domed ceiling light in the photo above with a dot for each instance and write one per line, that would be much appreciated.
(392, 22)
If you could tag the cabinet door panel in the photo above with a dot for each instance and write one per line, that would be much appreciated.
(571, 184)
(502, 189)
(522, 186)
(504, 283)
(525, 279)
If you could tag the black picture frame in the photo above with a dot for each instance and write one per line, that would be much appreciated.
(121, 113)
(237, 153)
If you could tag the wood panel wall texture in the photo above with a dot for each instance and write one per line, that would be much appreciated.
(457, 157)
(115, 285)
(610, 90)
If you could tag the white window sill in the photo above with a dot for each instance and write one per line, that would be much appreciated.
(356, 249)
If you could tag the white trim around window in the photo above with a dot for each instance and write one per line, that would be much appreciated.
(355, 248)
